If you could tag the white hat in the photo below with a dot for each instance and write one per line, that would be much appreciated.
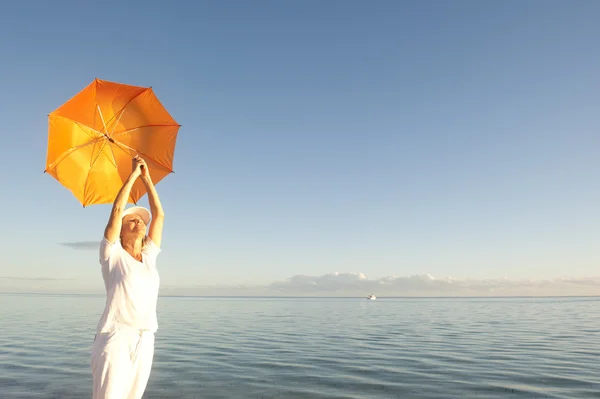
(140, 211)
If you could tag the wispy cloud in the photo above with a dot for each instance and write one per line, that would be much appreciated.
(31, 278)
(82, 245)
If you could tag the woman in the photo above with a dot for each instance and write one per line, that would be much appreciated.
(123, 348)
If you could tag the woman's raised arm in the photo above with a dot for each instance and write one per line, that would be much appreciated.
(158, 215)
(113, 227)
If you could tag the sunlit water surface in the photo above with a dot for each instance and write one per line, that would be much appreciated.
(317, 348)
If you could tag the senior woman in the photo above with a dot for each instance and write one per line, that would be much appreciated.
(123, 349)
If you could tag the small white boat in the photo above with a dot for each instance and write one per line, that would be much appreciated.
(372, 297)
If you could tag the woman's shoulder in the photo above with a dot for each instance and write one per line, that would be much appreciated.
(150, 247)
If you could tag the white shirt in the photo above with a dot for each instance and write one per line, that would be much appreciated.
(131, 287)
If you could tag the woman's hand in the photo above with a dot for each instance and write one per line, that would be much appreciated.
(144, 169)
(139, 167)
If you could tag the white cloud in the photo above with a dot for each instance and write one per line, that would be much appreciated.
(358, 285)
(342, 285)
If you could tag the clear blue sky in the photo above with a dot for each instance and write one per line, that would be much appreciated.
(384, 137)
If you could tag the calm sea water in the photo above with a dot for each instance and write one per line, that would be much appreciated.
(318, 348)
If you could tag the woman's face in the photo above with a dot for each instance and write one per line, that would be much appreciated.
(133, 226)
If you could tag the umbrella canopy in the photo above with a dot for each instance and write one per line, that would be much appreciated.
(93, 137)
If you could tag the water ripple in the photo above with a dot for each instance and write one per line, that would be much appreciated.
(318, 348)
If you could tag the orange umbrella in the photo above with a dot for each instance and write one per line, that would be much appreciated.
(93, 137)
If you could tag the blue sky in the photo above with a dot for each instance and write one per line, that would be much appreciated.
(386, 138)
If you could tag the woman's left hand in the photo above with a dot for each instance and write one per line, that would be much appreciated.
(144, 168)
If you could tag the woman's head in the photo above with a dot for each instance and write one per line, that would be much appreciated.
(134, 223)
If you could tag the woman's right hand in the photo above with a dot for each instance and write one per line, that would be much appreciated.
(136, 166)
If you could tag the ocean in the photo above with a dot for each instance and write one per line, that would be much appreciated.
(317, 347)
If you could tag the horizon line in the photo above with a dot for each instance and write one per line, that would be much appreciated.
(315, 297)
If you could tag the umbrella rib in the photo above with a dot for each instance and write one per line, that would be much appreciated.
(80, 125)
(114, 157)
(118, 120)
(85, 186)
(128, 102)
(101, 117)
(70, 151)
(122, 147)
(123, 132)
(98, 155)
(102, 135)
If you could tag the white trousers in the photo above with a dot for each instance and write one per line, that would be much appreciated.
(121, 363)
